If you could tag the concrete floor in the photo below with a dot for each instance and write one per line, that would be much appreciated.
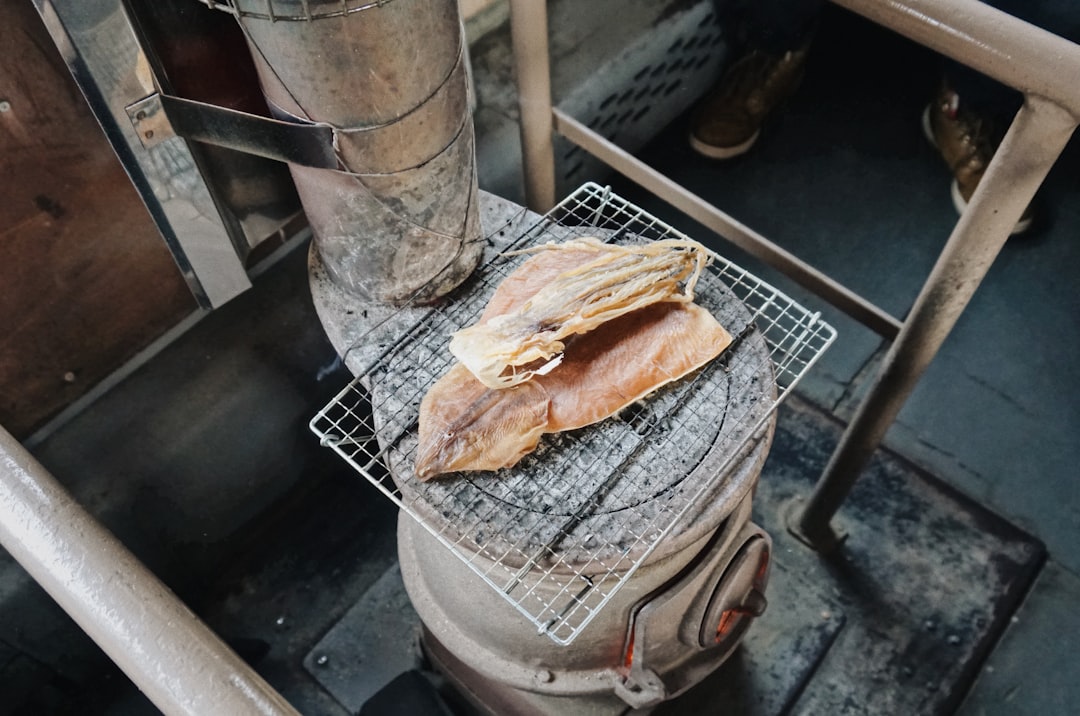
(201, 461)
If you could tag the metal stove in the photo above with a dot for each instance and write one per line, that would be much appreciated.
(617, 565)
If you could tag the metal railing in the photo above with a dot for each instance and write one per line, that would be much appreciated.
(1038, 63)
(170, 655)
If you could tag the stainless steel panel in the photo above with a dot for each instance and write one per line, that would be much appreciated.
(98, 42)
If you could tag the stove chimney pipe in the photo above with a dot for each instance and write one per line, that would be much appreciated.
(398, 221)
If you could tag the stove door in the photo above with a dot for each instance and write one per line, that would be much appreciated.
(685, 631)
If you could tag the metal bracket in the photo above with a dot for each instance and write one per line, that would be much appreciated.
(158, 117)
(641, 689)
(149, 120)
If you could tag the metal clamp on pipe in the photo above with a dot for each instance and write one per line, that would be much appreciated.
(161, 116)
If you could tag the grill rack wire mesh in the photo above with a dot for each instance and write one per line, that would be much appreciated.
(561, 532)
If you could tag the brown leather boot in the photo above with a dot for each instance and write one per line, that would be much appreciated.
(967, 143)
(728, 121)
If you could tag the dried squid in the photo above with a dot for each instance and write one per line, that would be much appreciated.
(466, 425)
(586, 283)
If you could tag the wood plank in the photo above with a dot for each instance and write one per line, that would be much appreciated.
(85, 279)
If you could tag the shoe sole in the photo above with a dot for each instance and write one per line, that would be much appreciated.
(959, 203)
(714, 152)
(927, 130)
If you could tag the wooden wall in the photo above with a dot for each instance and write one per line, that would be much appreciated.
(85, 279)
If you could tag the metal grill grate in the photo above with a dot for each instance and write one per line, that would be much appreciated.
(560, 532)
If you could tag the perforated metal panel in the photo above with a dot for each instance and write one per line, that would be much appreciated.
(634, 95)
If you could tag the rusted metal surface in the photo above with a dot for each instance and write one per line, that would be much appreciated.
(398, 222)
(174, 659)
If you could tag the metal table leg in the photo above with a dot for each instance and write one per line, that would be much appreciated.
(1034, 141)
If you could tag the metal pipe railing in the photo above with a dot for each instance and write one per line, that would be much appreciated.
(532, 68)
(170, 655)
(1030, 59)
(1032, 145)
(741, 235)
(1042, 65)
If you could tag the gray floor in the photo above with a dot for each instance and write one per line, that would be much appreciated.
(201, 461)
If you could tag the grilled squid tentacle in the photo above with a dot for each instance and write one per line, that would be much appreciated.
(512, 348)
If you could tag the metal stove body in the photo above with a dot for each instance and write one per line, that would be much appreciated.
(671, 625)
(671, 615)
(616, 566)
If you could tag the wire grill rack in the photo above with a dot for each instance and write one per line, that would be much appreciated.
(558, 534)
